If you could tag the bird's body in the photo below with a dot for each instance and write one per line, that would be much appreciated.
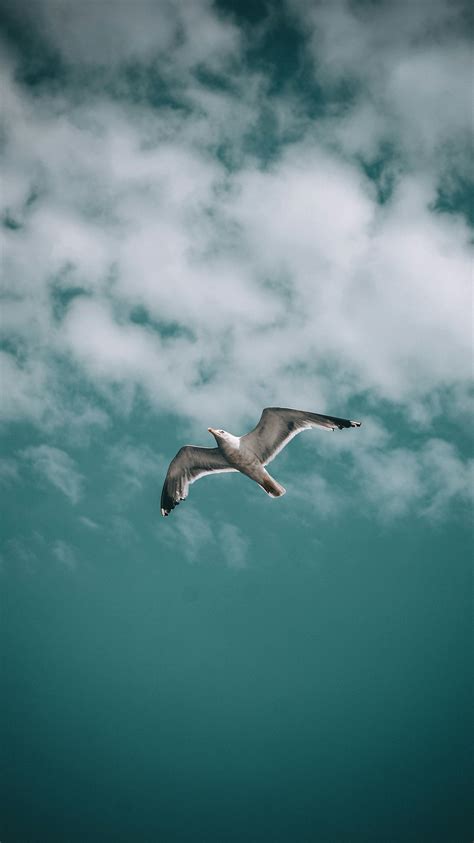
(248, 454)
(240, 455)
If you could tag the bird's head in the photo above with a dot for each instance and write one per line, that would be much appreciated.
(219, 435)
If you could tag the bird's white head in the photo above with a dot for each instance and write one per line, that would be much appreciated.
(223, 437)
(219, 435)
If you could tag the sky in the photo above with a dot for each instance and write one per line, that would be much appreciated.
(208, 208)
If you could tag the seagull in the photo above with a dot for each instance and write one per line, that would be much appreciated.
(248, 454)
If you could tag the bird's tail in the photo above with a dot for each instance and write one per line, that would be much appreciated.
(272, 488)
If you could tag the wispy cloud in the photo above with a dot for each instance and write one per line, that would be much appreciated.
(314, 492)
(390, 480)
(449, 478)
(194, 533)
(381, 477)
(135, 467)
(88, 522)
(198, 537)
(65, 554)
(57, 467)
(428, 480)
(234, 545)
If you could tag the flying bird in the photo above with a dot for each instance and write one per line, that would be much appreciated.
(248, 454)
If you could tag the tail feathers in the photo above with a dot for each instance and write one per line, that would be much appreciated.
(272, 488)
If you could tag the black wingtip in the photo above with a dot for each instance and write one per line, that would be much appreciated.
(167, 504)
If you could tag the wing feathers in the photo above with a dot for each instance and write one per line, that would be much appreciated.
(278, 425)
(189, 464)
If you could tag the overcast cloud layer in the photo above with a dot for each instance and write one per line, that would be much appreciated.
(180, 229)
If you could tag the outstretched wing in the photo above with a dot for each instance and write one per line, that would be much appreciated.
(189, 464)
(277, 426)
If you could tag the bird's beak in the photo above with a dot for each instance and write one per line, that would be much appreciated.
(211, 430)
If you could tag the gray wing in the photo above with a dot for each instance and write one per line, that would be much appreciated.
(189, 464)
(277, 426)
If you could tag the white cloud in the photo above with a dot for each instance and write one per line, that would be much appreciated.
(449, 478)
(426, 480)
(23, 389)
(57, 467)
(172, 32)
(408, 67)
(107, 349)
(295, 266)
(211, 292)
(390, 480)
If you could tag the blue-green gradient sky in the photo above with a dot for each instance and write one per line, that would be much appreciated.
(209, 208)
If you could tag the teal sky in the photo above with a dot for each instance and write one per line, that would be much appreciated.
(209, 208)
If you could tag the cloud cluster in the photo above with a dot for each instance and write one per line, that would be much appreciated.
(147, 254)
(408, 67)
(177, 34)
(426, 480)
(371, 472)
